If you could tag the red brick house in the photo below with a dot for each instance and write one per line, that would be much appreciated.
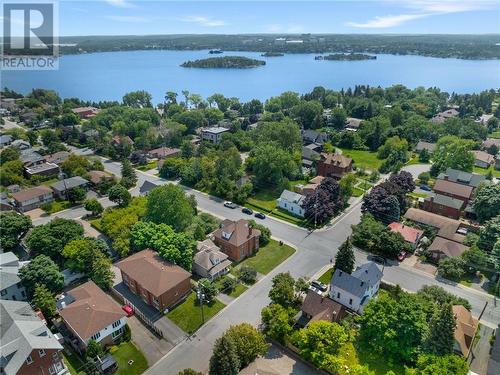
(159, 283)
(333, 165)
(444, 205)
(164, 153)
(453, 189)
(237, 239)
(85, 112)
(411, 235)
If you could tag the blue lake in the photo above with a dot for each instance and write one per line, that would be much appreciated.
(107, 76)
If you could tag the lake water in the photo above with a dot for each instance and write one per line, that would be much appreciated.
(107, 76)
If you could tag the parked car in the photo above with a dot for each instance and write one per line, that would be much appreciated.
(128, 310)
(260, 215)
(247, 211)
(425, 187)
(319, 285)
(377, 259)
(231, 205)
(402, 255)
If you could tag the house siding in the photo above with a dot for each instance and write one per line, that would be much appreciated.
(238, 253)
(14, 293)
(43, 365)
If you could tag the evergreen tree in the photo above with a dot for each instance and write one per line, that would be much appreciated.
(344, 260)
(440, 338)
(129, 178)
(224, 360)
(44, 300)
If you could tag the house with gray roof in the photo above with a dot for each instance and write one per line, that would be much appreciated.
(60, 188)
(29, 157)
(209, 261)
(461, 177)
(422, 145)
(292, 202)
(444, 205)
(20, 144)
(355, 290)
(5, 140)
(10, 283)
(27, 347)
(213, 134)
(146, 187)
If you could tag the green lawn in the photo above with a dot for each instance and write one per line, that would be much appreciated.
(265, 199)
(478, 170)
(418, 195)
(357, 192)
(125, 352)
(72, 361)
(495, 134)
(327, 276)
(236, 292)
(187, 315)
(96, 223)
(148, 166)
(356, 354)
(285, 215)
(268, 257)
(363, 159)
(49, 182)
(56, 206)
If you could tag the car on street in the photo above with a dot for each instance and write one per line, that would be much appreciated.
(319, 285)
(425, 187)
(230, 204)
(402, 255)
(247, 211)
(128, 310)
(260, 215)
(377, 259)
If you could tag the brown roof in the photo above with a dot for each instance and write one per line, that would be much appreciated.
(483, 156)
(490, 142)
(450, 187)
(336, 159)
(210, 258)
(119, 140)
(410, 234)
(91, 311)
(84, 109)
(449, 248)
(465, 329)
(236, 232)
(322, 308)
(163, 152)
(153, 273)
(57, 157)
(447, 228)
(96, 177)
(316, 180)
(31, 193)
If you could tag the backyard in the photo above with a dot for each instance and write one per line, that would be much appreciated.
(496, 173)
(268, 257)
(187, 315)
(363, 159)
(125, 352)
(265, 199)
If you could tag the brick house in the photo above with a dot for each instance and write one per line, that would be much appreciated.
(333, 165)
(90, 314)
(27, 346)
(164, 153)
(85, 112)
(444, 205)
(411, 235)
(453, 189)
(237, 239)
(159, 283)
(465, 330)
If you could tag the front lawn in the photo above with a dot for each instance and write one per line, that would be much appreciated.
(363, 159)
(187, 315)
(327, 276)
(265, 199)
(357, 192)
(238, 290)
(495, 134)
(146, 167)
(268, 257)
(484, 171)
(125, 352)
(357, 354)
(285, 215)
(56, 206)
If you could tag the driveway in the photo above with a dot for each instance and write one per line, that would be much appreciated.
(416, 169)
(152, 347)
(481, 351)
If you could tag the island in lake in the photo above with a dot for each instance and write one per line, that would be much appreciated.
(346, 57)
(272, 54)
(226, 62)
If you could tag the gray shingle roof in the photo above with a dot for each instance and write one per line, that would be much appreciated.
(444, 200)
(69, 183)
(461, 177)
(365, 276)
(21, 331)
(9, 269)
(290, 196)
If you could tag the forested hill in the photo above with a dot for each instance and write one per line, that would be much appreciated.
(456, 46)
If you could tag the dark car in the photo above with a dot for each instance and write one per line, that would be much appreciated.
(377, 259)
(425, 187)
(247, 211)
(319, 285)
(260, 215)
(229, 204)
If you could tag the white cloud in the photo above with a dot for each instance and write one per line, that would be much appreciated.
(129, 19)
(423, 9)
(386, 21)
(203, 21)
(120, 3)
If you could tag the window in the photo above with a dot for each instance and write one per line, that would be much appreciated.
(116, 324)
(55, 355)
(117, 333)
(41, 353)
(350, 301)
(52, 370)
(3, 292)
(23, 293)
(96, 336)
(29, 360)
(338, 295)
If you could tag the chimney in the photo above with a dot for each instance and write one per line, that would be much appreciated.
(63, 305)
(446, 177)
(249, 231)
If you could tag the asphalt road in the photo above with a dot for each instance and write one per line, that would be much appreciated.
(314, 251)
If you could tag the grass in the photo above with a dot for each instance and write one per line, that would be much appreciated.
(327, 276)
(49, 182)
(265, 199)
(56, 206)
(285, 215)
(356, 192)
(495, 134)
(363, 159)
(125, 352)
(484, 171)
(96, 224)
(187, 315)
(418, 195)
(72, 361)
(379, 365)
(148, 166)
(268, 257)
(238, 290)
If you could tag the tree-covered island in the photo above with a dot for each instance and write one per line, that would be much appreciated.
(346, 57)
(226, 62)
(272, 54)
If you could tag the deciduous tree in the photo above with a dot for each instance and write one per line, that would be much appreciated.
(44, 300)
(12, 227)
(249, 343)
(119, 195)
(41, 271)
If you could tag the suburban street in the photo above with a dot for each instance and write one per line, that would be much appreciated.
(314, 252)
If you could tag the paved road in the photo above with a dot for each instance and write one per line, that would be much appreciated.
(314, 251)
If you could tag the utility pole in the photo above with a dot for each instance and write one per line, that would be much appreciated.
(201, 296)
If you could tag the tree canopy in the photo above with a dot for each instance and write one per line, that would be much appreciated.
(12, 227)
(41, 271)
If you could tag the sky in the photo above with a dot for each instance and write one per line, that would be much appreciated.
(128, 17)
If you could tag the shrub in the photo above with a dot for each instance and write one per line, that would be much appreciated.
(247, 274)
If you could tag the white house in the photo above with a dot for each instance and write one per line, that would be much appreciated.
(355, 290)
(213, 134)
(292, 202)
(10, 283)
